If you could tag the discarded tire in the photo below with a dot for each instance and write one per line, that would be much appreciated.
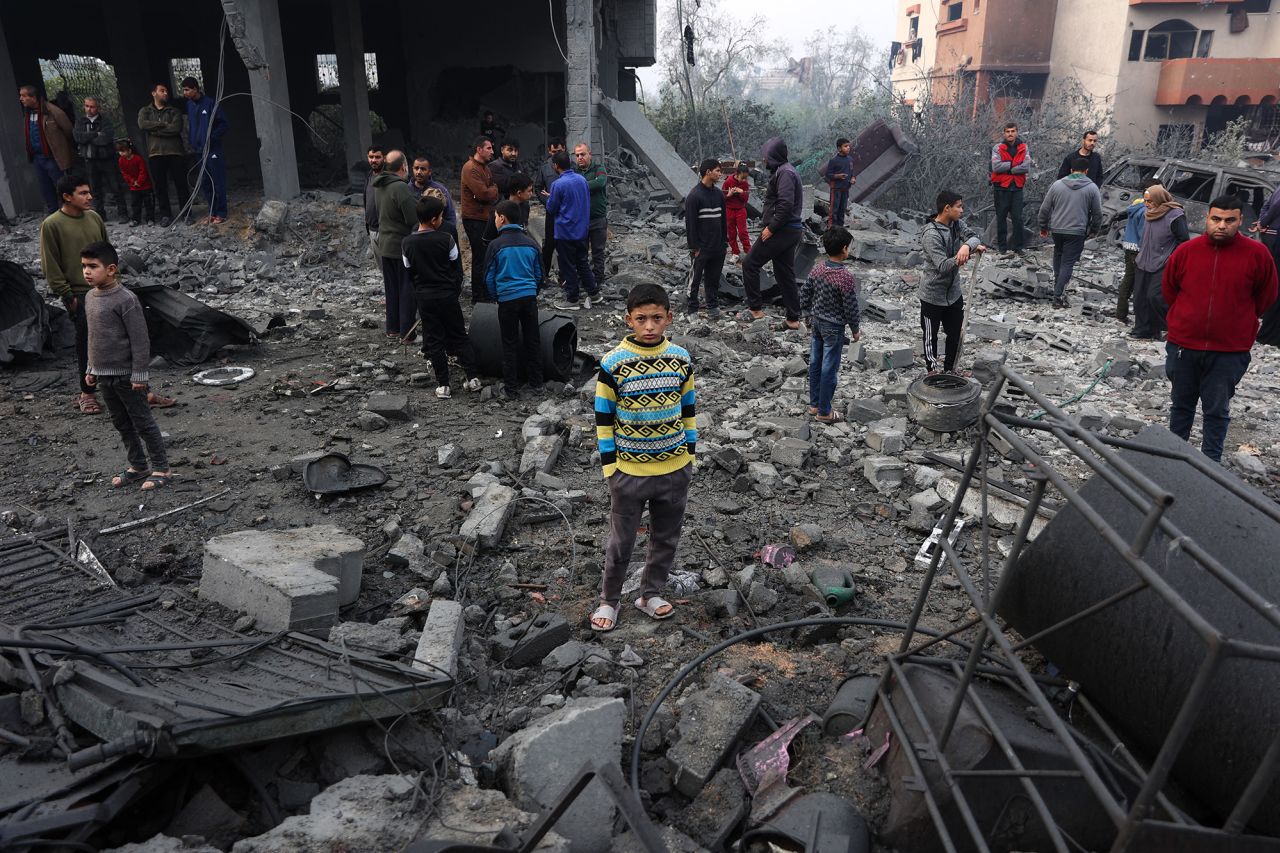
(558, 334)
(1137, 658)
(944, 403)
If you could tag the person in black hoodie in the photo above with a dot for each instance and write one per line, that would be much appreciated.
(1088, 144)
(783, 231)
(705, 230)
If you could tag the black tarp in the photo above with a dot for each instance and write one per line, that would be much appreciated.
(24, 318)
(184, 330)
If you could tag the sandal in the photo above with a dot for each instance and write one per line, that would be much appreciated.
(156, 481)
(160, 401)
(833, 418)
(790, 326)
(127, 477)
(88, 404)
(604, 612)
(651, 606)
(813, 410)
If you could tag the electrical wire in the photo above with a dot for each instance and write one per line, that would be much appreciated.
(551, 11)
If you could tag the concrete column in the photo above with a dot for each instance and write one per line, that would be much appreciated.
(127, 53)
(19, 191)
(353, 89)
(582, 119)
(255, 28)
(416, 31)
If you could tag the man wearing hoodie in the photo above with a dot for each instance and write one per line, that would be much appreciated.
(48, 139)
(1010, 163)
(704, 228)
(397, 217)
(1071, 210)
(782, 233)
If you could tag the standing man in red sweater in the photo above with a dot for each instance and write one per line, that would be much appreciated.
(1216, 287)
(737, 188)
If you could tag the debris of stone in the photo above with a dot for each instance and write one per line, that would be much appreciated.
(711, 720)
(441, 640)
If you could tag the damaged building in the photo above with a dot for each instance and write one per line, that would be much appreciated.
(401, 66)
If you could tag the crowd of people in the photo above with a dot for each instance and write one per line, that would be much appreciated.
(1203, 296)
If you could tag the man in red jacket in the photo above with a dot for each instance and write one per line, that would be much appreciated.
(1216, 287)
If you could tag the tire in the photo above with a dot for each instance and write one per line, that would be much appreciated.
(944, 403)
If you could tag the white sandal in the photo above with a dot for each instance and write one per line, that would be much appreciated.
(651, 607)
(605, 611)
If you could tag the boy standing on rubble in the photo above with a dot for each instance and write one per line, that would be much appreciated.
(647, 432)
(829, 299)
(948, 244)
(838, 173)
(513, 274)
(737, 189)
(119, 352)
(435, 268)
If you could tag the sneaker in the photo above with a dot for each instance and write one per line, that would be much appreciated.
(691, 308)
(217, 220)
(713, 312)
(569, 306)
(472, 384)
(165, 221)
(442, 392)
(133, 223)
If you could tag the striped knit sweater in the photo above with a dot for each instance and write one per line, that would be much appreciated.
(645, 413)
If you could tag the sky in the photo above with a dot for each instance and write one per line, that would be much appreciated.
(794, 21)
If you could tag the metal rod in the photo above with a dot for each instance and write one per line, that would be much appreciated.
(120, 528)
(1257, 788)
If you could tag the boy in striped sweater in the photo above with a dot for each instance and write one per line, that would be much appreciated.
(647, 433)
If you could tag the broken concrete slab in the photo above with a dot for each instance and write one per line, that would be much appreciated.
(393, 407)
(272, 219)
(467, 815)
(711, 720)
(529, 642)
(540, 453)
(717, 812)
(488, 518)
(360, 813)
(884, 472)
(387, 637)
(441, 639)
(790, 452)
(539, 762)
(650, 146)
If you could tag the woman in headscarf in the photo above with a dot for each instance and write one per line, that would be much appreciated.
(1166, 230)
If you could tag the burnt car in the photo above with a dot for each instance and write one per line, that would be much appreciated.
(1192, 182)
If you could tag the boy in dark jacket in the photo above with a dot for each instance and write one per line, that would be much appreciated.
(513, 274)
(829, 298)
(838, 173)
(783, 230)
(435, 268)
(737, 189)
(206, 125)
(704, 227)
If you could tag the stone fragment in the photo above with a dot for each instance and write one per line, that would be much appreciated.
(441, 640)
(541, 453)
(449, 455)
(887, 435)
(761, 598)
(371, 421)
(466, 813)
(716, 812)
(386, 637)
(866, 411)
(711, 721)
(488, 518)
(529, 642)
(359, 813)
(884, 472)
(806, 535)
(409, 551)
(791, 452)
(393, 407)
(540, 761)
(763, 472)
(272, 218)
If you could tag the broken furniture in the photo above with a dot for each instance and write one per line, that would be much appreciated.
(1212, 613)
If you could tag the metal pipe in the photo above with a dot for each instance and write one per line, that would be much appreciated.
(1251, 797)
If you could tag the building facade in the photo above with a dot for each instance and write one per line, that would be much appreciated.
(1171, 71)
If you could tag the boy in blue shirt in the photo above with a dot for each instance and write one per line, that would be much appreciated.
(838, 173)
(513, 274)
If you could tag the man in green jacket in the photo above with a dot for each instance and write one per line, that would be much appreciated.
(164, 125)
(397, 218)
(63, 234)
(598, 229)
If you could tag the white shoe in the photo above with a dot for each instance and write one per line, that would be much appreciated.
(586, 303)
(472, 384)
(443, 392)
(733, 259)
(568, 306)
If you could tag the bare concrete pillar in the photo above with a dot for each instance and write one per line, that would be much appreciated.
(353, 88)
(128, 55)
(582, 92)
(18, 188)
(255, 28)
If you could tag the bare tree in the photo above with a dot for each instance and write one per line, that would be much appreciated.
(724, 50)
(838, 67)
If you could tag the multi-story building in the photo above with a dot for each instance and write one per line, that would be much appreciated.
(1170, 71)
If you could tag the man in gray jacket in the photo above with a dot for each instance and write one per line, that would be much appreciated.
(96, 144)
(1071, 211)
(948, 244)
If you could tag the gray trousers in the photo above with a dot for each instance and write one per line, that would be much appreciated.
(666, 496)
(131, 416)
(598, 236)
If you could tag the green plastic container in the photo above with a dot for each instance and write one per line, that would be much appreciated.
(834, 583)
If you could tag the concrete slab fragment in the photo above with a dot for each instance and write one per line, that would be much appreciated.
(489, 516)
(711, 720)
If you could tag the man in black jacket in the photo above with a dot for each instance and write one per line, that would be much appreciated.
(1088, 143)
(783, 231)
(705, 230)
(96, 144)
(547, 175)
(375, 157)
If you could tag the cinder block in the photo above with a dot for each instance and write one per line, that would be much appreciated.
(528, 643)
(393, 407)
(441, 639)
(866, 411)
(541, 453)
(488, 518)
(891, 359)
(884, 472)
(885, 312)
(711, 721)
(991, 331)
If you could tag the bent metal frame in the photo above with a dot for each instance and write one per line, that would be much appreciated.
(1149, 809)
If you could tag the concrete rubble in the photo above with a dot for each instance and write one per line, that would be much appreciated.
(479, 559)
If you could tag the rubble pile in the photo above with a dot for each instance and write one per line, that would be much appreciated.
(473, 555)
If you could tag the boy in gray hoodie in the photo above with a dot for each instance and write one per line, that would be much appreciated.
(948, 244)
(1071, 211)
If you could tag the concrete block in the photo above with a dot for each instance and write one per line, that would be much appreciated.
(271, 219)
(885, 312)
(540, 761)
(393, 407)
(987, 362)
(385, 638)
(763, 472)
(449, 455)
(991, 331)
(884, 472)
(887, 435)
(891, 359)
(783, 427)
(791, 452)
(716, 812)
(488, 518)
(711, 721)
(541, 453)
(535, 425)
(866, 411)
(359, 813)
(529, 642)
(441, 639)
(465, 814)
(285, 579)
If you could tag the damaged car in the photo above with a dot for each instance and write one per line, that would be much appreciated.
(1194, 183)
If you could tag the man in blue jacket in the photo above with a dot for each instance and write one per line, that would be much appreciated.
(206, 125)
(570, 204)
(783, 200)
(513, 273)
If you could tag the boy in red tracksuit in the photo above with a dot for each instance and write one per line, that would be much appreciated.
(737, 187)
(134, 171)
